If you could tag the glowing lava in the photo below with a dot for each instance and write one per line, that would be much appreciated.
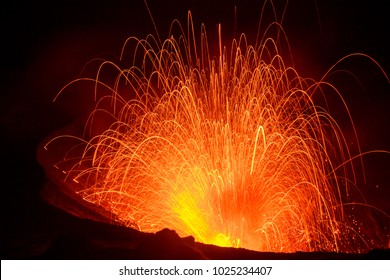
(230, 149)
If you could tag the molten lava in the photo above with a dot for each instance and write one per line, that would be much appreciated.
(231, 149)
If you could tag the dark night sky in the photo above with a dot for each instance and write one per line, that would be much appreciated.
(46, 44)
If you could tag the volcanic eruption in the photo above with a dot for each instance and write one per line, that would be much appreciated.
(226, 142)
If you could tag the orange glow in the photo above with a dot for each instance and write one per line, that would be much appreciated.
(230, 149)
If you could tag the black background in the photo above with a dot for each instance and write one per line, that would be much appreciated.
(44, 45)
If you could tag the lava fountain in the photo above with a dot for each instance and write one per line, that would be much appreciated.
(232, 148)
